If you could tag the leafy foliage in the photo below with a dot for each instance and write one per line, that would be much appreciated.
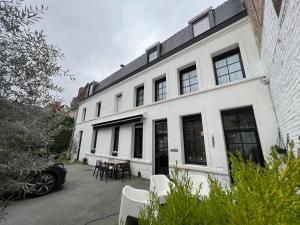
(63, 137)
(259, 195)
(28, 64)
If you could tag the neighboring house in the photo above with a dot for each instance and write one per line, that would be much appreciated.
(277, 31)
(191, 99)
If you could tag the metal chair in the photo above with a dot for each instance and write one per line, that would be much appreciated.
(124, 169)
(98, 162)
(100, 169)
(107, 170)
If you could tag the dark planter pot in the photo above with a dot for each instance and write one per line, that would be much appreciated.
(93, 151)
(281, 150)
(114, 153)
(84, 161)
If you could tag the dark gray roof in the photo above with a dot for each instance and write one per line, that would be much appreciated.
(178, 41)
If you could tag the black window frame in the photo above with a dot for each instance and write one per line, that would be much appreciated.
(157, 88)
(238, 129)
(224, 56)
(83, 114)
(138, 140)
(118, 103)
(182, 73)
(139, 99)
(98, 108)
(193, 118)
(115, 150)
(93, 150)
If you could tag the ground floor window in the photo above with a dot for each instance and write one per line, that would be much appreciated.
(116, 141)
(138, 141)
(194, 147)
(241, 134)
(93, 150)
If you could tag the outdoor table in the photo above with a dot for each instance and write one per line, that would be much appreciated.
(115, 163)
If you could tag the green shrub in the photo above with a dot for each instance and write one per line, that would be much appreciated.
(259, 196)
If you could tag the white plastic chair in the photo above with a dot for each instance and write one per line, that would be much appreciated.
(198, 180)
(132, 201)
(159, 184)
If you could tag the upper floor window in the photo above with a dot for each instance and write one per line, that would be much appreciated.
(229, 67)
(83, 114)
(98, 109)
(119, 103)
(139, 96)
(160, 89)
(90, 89)
(201, 25)
(188, 80)
(152, 54)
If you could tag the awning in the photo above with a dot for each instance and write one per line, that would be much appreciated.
(118, 122)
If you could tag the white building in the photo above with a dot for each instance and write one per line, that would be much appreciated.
(190, 99)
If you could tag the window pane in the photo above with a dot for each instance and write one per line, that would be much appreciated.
(193, 80)
(231, 121)
(233, 59)
(236, 76)
(234, 137)
(152, 56)
(186, 90)
(220, 63)
(194, 88)
(223, 79)
(185, 83)
(185, 76)
(234, 67)
(222, 71)
(248, 137)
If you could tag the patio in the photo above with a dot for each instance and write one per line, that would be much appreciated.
(82, 199)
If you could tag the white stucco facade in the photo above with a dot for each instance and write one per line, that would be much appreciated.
(209, 100)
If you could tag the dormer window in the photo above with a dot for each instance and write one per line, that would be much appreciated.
(201, 25)
(152, 55)
(153, 52)
(90, 89)
(202, 22)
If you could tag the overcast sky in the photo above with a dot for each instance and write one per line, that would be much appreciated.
(96, 36)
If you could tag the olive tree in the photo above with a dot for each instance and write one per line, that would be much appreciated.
(28, 64)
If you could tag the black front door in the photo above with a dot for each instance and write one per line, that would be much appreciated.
(161, 147)
(241, 134)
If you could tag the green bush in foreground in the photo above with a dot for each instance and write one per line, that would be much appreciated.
(259, 196)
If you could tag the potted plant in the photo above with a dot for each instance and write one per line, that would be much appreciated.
(84, 161)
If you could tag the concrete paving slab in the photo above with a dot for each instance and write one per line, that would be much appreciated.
(81, 199)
